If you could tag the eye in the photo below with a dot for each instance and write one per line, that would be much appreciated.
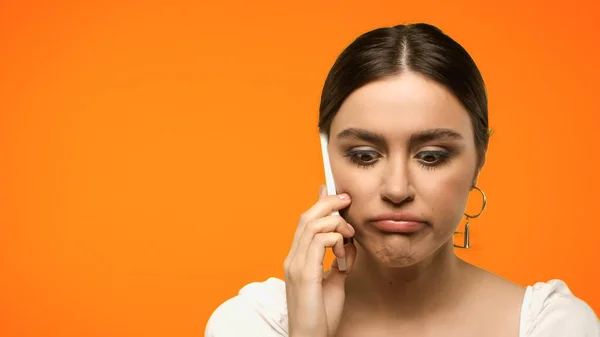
(363, 158)
(433, 158)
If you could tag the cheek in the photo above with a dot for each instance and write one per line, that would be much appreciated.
(360, 184)
(445, 195)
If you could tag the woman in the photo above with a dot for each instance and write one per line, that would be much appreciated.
(405, 110)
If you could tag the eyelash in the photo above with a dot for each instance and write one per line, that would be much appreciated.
(353, 155)
(443, 157)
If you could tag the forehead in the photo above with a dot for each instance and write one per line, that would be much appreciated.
(401, 105)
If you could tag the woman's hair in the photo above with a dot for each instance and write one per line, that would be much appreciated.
(420, 48)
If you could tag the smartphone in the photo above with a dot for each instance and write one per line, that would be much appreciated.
(330, 185)
(329, 182)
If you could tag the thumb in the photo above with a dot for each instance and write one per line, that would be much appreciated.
(335, 275)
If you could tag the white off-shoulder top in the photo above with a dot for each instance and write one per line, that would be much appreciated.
(259, 310)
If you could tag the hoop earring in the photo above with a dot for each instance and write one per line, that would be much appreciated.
(466, 233)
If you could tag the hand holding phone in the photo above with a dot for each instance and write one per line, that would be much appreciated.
(315, 299)
(330, 187)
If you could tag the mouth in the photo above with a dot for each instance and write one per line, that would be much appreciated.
(401, 223)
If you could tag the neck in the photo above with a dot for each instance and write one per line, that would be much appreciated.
(426, 286)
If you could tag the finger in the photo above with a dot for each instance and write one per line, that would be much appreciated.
(299, 228)
(316, 252)
(335, 274)
(322, 192)
(332, 223)
(327, 205)
(322, 208)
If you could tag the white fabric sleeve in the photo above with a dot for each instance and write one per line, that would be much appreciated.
(551, 310)
(259, 310)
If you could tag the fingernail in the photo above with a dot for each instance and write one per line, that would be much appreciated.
(351, 229)
(342, 263)
(344, 196)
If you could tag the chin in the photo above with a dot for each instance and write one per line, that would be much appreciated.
(399, 251)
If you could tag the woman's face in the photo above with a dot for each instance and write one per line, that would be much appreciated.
(403, 146)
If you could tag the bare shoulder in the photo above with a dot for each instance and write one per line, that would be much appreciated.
(497, 302)
(500, 287)
(495, 288)
(545, 309)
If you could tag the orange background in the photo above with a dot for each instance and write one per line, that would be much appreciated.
(155, 156)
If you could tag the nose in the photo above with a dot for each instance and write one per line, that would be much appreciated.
(396, 187)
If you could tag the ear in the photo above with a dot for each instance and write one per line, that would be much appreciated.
(480, 165)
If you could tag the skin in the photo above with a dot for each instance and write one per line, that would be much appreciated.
(397, 284)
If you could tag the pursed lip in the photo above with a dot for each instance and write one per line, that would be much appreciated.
(399, 222)
(399, 216)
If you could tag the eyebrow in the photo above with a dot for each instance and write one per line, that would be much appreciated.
(417, 138)
(435, 134)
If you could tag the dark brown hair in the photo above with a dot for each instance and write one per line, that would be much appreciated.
(418, 47)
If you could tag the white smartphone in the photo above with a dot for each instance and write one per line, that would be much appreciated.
(330, 185)
(329, 182)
